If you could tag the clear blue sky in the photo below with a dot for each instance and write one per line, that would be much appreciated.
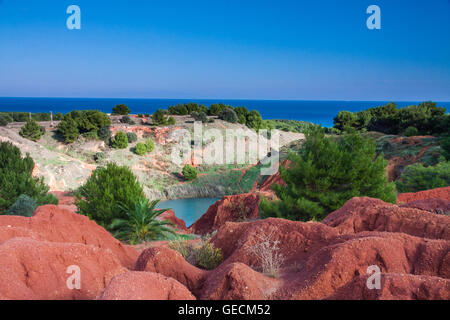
(234, 49)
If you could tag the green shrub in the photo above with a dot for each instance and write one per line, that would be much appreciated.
(120, 140)
(121, 109)
(16, 179)
(205, 256)
(254, 120)
(127, 120)
(228, 114)
(140, 149)
(79, 122)
(140, 115)
(106, 192)
(105, 133)
(150, 145)
(24, 206)
(99, 157)
(190, 172)
(159, 118)
(132, 137)
(92, 135)
(31, 130)
(208, 256)
(411, 132)
(200, 116)
(416, 177)
(325, 174)
(3, 121)
(445, 147)
(171, 121)
(216, 108)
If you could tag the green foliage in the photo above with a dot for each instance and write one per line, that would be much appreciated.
(208, 256)
(106, 192)
(120, 140)
(200, 116)
(141, 223)
(427, 118)
(79, 122)
(25, 116)
(189, 172)
(150, 145)
(216, 108)
(325, 174)
(16, 179)
(228, 114)
(132, 137)
(4, 120)
(171, 121)
(205, 256)
(121, 109)
(91, 135)
(140, 149)
(346, 119)
(289, 125)
(411, 132)
(445, 147)
(187, 108)
(104, 133)
(31, 130)
(24, 206)
(416, 177)
(127, 120)
(159, 118)
(254, 120)
(99, 157)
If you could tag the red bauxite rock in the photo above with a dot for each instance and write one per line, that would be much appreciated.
(439, 193)
(439, 206)
(169, 215)
(239, 207)
(145, 286)
(367, 214)
(31, 269)
(51, 223)
(170, 263)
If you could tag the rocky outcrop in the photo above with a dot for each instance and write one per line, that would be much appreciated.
(366, 214)
(145, 286)
(439, 206)
(169, 215)
(40, 270)
(241, 207)
(53, 224)
(439, 193)
(170, 263)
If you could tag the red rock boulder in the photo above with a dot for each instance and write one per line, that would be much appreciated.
(367, 214)
(136, 285)
(38, 270)
(241, 207)
(438, 193)
(170, 263)
(51, 223)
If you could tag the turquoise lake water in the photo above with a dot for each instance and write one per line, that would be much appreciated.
(190, 210)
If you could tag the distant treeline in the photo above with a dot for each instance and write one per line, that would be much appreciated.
(423, 119)
(25, 116)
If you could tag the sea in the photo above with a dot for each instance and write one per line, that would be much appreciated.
(315, 111)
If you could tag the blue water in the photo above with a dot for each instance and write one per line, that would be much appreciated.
(320, 112)
(190, 210)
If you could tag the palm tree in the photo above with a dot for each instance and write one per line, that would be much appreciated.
(142, 223)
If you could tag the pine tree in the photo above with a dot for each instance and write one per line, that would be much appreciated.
(325, 174)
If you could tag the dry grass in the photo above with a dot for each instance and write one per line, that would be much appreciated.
(266, 250)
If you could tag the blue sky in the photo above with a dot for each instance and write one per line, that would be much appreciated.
(236, 49)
